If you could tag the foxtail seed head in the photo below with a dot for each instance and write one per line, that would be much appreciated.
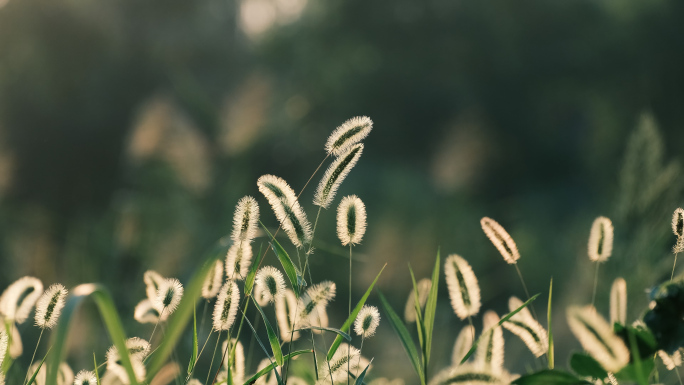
(4, 340)
(238, 261)
(618, 301)
(245, 220)
(287, 209)
(49, 306)
(212, 283)
(152, 281)
(367, 321)
(237, 362)
(678, 222)
(501, 240)
(270, 281)
(335, 174)
(463, 343)
(351, 220)
(226, 306)
(85, 377)
(523, 325)
(336, 368)
(490, 350)
(671, 361)
(168, 296)
(145, 313)
(286, 307)
(597, 338)
(601, 240)
(349, 133)
(18, 299)
(470, 374)
(316, 297)
(463, 288)
(424, 286)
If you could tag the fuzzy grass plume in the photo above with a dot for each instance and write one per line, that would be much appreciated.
(351, 220)
(145, 312)
(597, 338)
(271, 283)
(348, 134)
(501, 240)
(238, 260)
(423, 286)
(245, 220)
(152, 281)
(600, 240)
(463, 287)
(470, 374)
(18, 299)
(285, 307)
(316, 297)
(287, 209)
(236, 363)
(168, 297)
(618, 301)
(367, 321)
(523, 325)
(49, 306)
(212, 283)
(335, 175)
(490, 351)
(463, 343)
(226, 306)
(345, 358)
(85, 377)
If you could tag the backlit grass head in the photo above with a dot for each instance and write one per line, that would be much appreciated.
(270, 281)
(212, 283)
(618, 301)
(500, 239)
(523, 325)
(678, 222)
(245, 220)
(464, 290)
(287, 209)
(597, 338)
(238, 261)
(335, 175)
(226, 306)
(145, 312)
(169, 295)
(351, 220)
(316, 297)
(85, 377)
(424, 286)
(152, 281)
(286, 308)
(349, 133)
(49, 306)
(490, 350)
(18, 299)
(463, 343)
(367, 321)
(601, 240)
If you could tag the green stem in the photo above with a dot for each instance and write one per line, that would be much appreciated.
(593, 296)
(34, 354)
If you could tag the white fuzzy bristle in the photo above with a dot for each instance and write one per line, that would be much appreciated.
(470, 374)
(238, 261)
(226, 306)
(500, 239)
(349, 133)
(490, 350)
(212, 283)
(671, 361)
(335, 175)
(367, 321)
(351, 220)
(4, 340)
(286, 307)
(49, 306)
(597, 338)
(145, 313)
(678, 222)
(463, 288)
(316, 297)
(618, 301)
(287, 209)
(85, 377)
(269, 378)
(523, 325)
(168, 297)
(271, 283)
(152, 281)
(65, 376)
(600, 240)
(345, 357)
(237, 362)
(245, 220)
(463, 343)
(18, 299)
(424, 286)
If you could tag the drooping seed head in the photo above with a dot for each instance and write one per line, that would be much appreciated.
(470, 374)
(16, 348)
(671, 361)
(286, 307)
(618, 301)
(212, 283)
(169, 295)
(85, 377)
(678, 222)
(237, 362)
(490, 350)
(145, 313)
(245, 220)
(271, 282)
(351, 220)
(367, 321)
(226, 306)
(238, 261)
(597, 338)
(270, 377)
(463, 288)
(4, 340)
(65, 376)
(49, 306)
(463, 343)
(152, 281)
(424, 286)
(337, 366)
(138, 348)
(523, 325)
(601, 240)
(349, 133)
(115, 366)
(335, 175)
(316, 297)
(319, 319)
(287, 209)
(500, 239)
(18, 299)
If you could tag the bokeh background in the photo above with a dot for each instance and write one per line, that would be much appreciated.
(129, 130)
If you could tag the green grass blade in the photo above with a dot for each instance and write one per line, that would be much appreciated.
(419, 316)
(359, 379)
(550, 377)
(97, 374)
(352, 317)
(333, 330)
(636, 357)
(193, 357)
(180, 318)
(404, 337)
(109, 315)
(430, 309)
(548, 322)
(272, 336)
(295, 277)
(270, 367)
(249, 280)
(33, 377)
(501, 321)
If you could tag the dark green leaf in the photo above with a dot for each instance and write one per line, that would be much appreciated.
(97, 374)
(629, 373)
(270, 367)
(586, 366)
(272, 336)
(249, 280)
(295, 277)
(359, 379)
(352, 317)
(430, 309)
(33, 377)
(549, 377)
(419, 315)
(404, 337)
(193, 357)
(337, 331)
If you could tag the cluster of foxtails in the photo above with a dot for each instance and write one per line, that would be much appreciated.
(238, 281)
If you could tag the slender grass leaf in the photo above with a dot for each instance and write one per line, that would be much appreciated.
(550, 377)
(404, 337)
(636, 358)
(333, 330)
(359, 379)
(270, 367)
(586, 366)
(109, 315)
(97, 374)
(352, 317)
(272, 336)
(35, 374)
(548, 322)
(430, 309)
(295, 277)
(419, 316)
(249, 280)
(501, 321)
(178, 322)
(193, 357)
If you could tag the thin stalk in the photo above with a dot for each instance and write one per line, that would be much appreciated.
(174, 354)
(350, 295)
(672, 275)
(358, 364)
(34, 354)
(212, 357)
(472, 328)
(678, 376)
(204, 315)
(156, 324)
(250, 350)
(527, 293)
(593, 296)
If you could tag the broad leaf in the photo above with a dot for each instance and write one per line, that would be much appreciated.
(586, 366)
